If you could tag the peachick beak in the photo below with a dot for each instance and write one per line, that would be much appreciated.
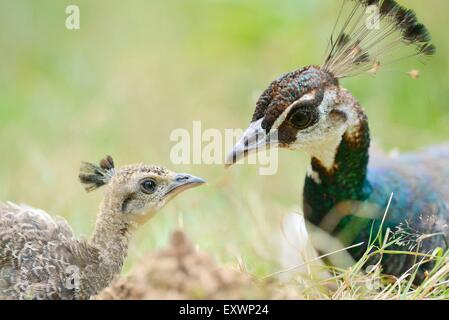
(184, 181)
(254, 139)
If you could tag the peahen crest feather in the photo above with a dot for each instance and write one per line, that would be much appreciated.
(375, 33)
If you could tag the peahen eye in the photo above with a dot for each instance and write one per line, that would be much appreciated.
(148, 186)
(302, 119)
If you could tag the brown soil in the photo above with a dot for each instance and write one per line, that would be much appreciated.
(181, 272)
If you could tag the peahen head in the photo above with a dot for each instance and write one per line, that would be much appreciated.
(135, 192)
(307, 109)
(302, 110)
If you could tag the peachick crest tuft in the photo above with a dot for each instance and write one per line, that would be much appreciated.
(94, 176)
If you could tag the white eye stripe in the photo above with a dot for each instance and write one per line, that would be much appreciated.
(282, 117)
(307, 97)
(284, 114)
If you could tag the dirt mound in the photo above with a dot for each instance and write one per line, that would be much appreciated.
(181, 272)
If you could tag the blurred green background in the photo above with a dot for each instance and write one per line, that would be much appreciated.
(136, 70)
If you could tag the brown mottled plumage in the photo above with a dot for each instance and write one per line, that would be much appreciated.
(40, 258)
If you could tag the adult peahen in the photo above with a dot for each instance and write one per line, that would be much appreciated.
(346, 192)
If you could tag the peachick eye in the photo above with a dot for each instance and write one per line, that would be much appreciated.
(148, 186)
(302, 119)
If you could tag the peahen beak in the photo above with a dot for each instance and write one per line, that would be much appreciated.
(254, 139)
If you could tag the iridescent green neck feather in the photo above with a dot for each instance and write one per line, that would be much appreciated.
(346, 179)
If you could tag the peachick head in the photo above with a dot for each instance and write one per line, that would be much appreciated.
(135, 192)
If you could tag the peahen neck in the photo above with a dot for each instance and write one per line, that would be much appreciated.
(345, 180)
